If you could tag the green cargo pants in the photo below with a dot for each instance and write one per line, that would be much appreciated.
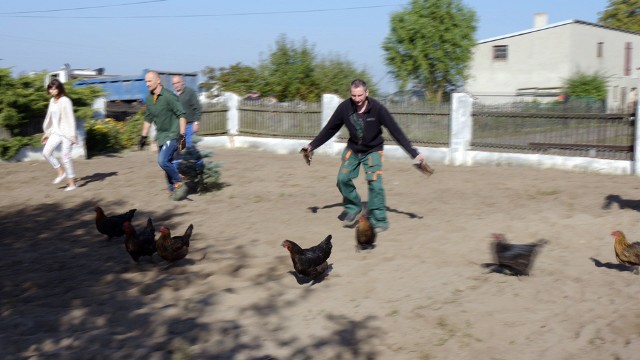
(349, 170)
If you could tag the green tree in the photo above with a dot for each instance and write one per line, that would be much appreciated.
(583, 85)
(24, 99)
(289, 71)
(237, 78)
(429, 45)
(622, 14)
(335, 73)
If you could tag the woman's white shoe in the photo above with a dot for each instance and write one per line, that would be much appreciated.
(59, 178)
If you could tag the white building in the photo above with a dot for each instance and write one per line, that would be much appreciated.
(535, 63)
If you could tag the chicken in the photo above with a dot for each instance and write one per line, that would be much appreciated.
(173, 248)
(141, 243)
(311, 262)
(365, 234)
(112, 225)
(626, 253)
(514, 259)
(306, 155)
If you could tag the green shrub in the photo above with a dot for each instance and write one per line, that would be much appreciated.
(10, 147)
(106, 136)
(102, 137)
(132, 130)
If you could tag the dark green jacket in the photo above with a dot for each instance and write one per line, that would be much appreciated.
(165, 112)
(190, 104)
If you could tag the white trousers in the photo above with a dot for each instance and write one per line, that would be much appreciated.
(53, 142)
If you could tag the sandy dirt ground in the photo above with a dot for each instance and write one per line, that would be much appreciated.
(422, 293)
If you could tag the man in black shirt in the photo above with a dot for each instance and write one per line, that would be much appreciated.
(364, 117)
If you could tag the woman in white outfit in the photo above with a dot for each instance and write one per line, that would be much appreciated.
(60, 128)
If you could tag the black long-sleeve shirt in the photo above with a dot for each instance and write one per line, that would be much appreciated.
(365, 132)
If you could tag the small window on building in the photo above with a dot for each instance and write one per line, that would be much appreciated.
(599, 50)
(500, 52)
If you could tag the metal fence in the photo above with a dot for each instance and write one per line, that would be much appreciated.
(293, 120)
(552, 128)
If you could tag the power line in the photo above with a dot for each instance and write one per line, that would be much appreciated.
(202, 15)
(79, 8)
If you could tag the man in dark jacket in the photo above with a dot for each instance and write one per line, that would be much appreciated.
(191, 105)
(364, 117)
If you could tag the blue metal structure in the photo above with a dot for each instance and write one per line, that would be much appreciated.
(133, 88)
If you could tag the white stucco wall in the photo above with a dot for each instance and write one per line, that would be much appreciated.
(546, 57)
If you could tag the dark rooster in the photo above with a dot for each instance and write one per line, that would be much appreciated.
(365, 234)
(626, 253)
(513, 259)
(173, 248)
(141, 243)
(112, 225)
(311, 262)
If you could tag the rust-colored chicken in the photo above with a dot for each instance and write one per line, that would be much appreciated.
(311, 262)
(626, 253)
(141, 243)
(365, 234)
(173, 248)
(112, 225)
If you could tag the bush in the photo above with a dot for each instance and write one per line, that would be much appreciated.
(10, 147)
(105, 136)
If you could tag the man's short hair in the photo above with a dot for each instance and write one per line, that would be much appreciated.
(357, 83)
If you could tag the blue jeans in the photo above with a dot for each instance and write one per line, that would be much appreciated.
(165, 160)
(188, 133)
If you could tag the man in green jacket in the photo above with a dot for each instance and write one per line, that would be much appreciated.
(163, 108)
(190, 104)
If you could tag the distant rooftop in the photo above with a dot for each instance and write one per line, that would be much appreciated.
(562, 23)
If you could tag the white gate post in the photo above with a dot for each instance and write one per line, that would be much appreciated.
(461, 131)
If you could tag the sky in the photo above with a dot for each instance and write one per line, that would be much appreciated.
(128, 36)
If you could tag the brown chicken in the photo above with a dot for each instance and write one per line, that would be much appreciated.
(141, 243)
(311, 262)
(173, 248)
(514, 259)
(112, 225)
(365, 234)
(626, 253)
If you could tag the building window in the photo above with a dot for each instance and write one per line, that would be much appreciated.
(500, 52)
(599, 49)
(627, 59)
